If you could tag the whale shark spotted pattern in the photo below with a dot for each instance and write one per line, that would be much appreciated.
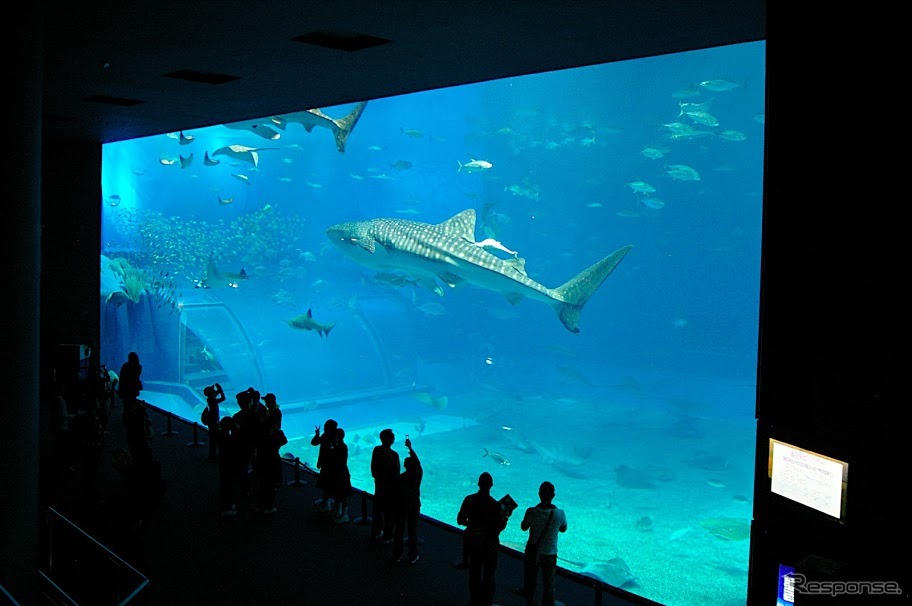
(448, 252)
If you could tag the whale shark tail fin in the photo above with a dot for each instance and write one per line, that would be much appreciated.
(572, 295)
(347, 125)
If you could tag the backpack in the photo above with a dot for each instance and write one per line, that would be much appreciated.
(206, 416)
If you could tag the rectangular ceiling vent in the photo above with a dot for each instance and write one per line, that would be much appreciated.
(342, 41)
(116, 101)
(201, 77)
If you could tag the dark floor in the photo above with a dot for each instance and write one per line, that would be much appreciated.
(296, 556)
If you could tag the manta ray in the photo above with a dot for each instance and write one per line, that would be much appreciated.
(220, 279)
(242, 152)
(310, 118)
(448, 252)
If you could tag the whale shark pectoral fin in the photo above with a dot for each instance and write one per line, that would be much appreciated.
(450, 280)
(513, 297)
(431, 285)
(367, 244)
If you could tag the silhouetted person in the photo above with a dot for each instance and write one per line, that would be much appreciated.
(325, 442)
(273, 412)
(408, 506)
(274, 417)
(338, 476)
(266, 466)
(256, 405)
(543, 522)
(484, 520)
(247, 430)
(385, 471)
(215, 395)
(129, 383)
(232, 471)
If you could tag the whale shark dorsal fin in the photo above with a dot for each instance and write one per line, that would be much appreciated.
(310, 313)
(461, 225)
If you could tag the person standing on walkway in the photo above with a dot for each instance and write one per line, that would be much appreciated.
(385, 471)
(325, 442)
(129, 383)
(484, 520)
(408, 507)
(215, 395)
(134, 413)
(544, 522)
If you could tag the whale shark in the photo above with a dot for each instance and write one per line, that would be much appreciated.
(309, 118)
(448, 252)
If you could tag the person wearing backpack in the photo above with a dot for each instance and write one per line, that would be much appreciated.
(211, 416)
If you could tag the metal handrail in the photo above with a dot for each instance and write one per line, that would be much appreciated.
(143, 580)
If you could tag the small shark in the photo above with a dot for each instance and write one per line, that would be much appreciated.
(306, 322)
(309, 118)
(448, 251)
(220, 279)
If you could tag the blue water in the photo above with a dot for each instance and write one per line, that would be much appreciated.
(643, 420)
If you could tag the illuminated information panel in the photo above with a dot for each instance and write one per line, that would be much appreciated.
(808, 478)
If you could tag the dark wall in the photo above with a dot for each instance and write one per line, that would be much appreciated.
(70, 240)
(832, 343)
(19, 431)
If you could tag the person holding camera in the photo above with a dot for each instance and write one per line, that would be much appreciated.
(215, 395)
(408, 507)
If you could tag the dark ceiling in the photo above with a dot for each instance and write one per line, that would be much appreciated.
(119, 70)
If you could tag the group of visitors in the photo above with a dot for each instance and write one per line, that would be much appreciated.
(335, 478)
(245, 445)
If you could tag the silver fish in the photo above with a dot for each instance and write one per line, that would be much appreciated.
(496, 456)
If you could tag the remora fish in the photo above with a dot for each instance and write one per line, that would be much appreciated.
(218, 279)
(309, 118)
(306, 322)
(447, 251)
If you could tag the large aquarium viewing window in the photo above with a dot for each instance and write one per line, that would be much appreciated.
(548, 277)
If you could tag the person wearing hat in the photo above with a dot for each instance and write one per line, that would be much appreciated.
(484, 520)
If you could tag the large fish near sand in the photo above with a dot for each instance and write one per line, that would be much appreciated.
(310, 118)
(448, 252)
